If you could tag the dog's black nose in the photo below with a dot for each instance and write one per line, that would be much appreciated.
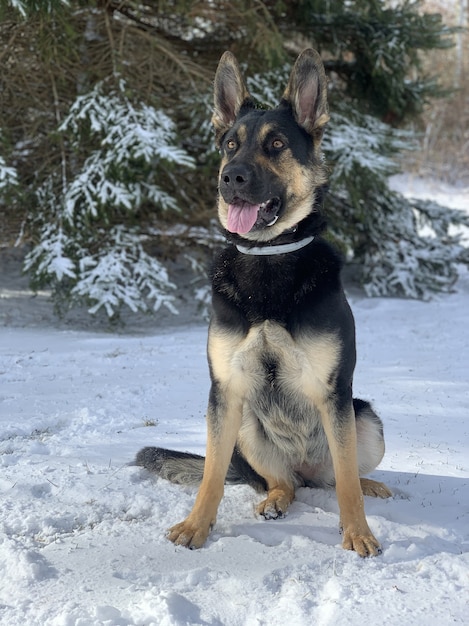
(235, 177)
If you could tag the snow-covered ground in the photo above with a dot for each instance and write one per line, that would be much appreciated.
(417, 187)
(82, 533)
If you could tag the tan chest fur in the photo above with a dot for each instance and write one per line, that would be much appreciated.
(281, 423)
(305, 363)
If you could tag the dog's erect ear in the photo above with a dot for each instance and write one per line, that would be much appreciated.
(229, 94)
(306, 92)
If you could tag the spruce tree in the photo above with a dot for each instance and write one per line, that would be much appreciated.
(106, 148)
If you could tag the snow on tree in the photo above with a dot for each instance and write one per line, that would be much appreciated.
(386, 232)
(8, 176)
(81, 250)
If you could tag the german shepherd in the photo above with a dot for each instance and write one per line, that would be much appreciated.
(281, 342)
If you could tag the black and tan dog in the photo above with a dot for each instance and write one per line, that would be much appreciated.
(281, 344)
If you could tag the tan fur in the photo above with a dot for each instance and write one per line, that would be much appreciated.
(264, 131)
(306, 364)
(374, 488)
(280, 496)
(242, 133)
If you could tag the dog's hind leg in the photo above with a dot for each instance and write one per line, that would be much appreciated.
(370, 448)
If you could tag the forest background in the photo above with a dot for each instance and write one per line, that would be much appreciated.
(107, 164)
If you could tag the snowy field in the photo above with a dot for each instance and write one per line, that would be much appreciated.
(82, 533)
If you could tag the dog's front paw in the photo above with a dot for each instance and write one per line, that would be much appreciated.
(276, 504)
(271, 510)
(364, 543)
(189, 534)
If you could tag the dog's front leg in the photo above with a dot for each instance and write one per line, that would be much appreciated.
(342, 439)
(223, 422)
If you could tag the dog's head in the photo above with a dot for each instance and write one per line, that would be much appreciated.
(271, 165)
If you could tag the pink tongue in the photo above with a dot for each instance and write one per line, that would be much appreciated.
(242, 217)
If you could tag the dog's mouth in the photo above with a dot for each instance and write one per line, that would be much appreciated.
(244, 216)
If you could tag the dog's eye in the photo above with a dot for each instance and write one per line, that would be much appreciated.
(231, 144)
(277, 144)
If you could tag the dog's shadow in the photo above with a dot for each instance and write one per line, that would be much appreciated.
(427, 514)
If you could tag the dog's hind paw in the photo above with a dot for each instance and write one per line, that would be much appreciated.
(374, 488)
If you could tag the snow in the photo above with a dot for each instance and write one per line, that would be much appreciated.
(445, 194)
(82, 532)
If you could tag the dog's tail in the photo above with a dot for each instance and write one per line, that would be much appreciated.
(184, 468)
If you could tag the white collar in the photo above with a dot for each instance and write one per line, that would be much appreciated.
(281, 248)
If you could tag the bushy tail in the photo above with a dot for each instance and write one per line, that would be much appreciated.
(184, 468)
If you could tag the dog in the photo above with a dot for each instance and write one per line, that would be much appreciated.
(281, 342)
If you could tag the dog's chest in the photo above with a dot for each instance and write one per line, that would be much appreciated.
(270, 362)
(283, 382)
